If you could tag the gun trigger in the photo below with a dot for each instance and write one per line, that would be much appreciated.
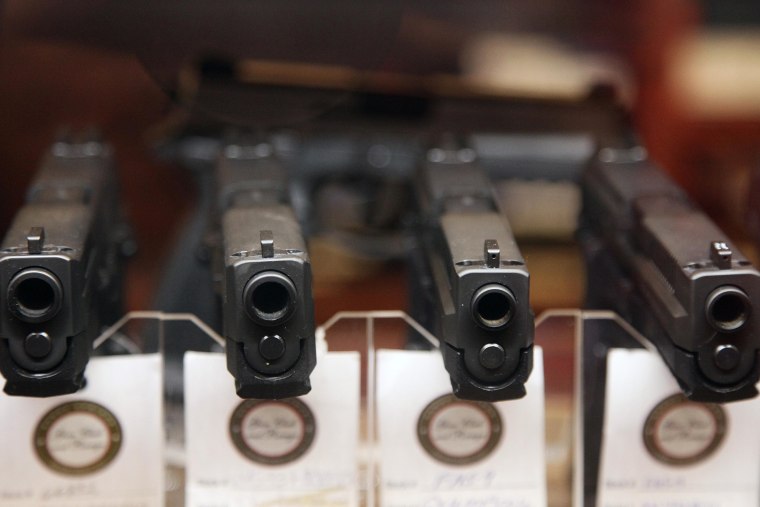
(266, 239)
(720, 254)
(492, 253)
(35, 240)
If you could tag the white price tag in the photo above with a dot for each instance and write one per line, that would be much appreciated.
(440, 451)
(247, 453)
(100, 447)
(661, 450)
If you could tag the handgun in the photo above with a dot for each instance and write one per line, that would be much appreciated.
(60, 269)
(658, 261)
(265, 275)
(480, 284)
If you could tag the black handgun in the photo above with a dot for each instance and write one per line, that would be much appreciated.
(60, 269)
(480, 285)
(265, 276)
(666, 268)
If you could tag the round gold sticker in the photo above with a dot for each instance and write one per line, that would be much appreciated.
(459, 432)
(77, 438)
(682, 432)
(272, 432)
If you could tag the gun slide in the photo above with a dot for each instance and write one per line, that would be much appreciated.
(660, 263)
(480, 302)
(60, 270)
(265, 275)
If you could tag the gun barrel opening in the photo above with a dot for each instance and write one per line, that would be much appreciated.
(727, 308)
(493, 306)
(270, 298)
(35, 295)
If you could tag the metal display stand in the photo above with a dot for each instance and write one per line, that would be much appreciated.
(99, 446)
(369, 463)
(595, 335)
(364, 332)
(640, 441)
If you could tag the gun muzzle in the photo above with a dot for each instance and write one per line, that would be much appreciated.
(493, 306)
(34, 295)
(270, 298)
(727, 308)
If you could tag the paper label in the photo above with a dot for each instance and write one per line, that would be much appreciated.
(100, 447)
(659, 449)
(247, 453)
(437, 450)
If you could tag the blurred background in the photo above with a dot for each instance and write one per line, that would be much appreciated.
(688, 71)
(150, 74)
